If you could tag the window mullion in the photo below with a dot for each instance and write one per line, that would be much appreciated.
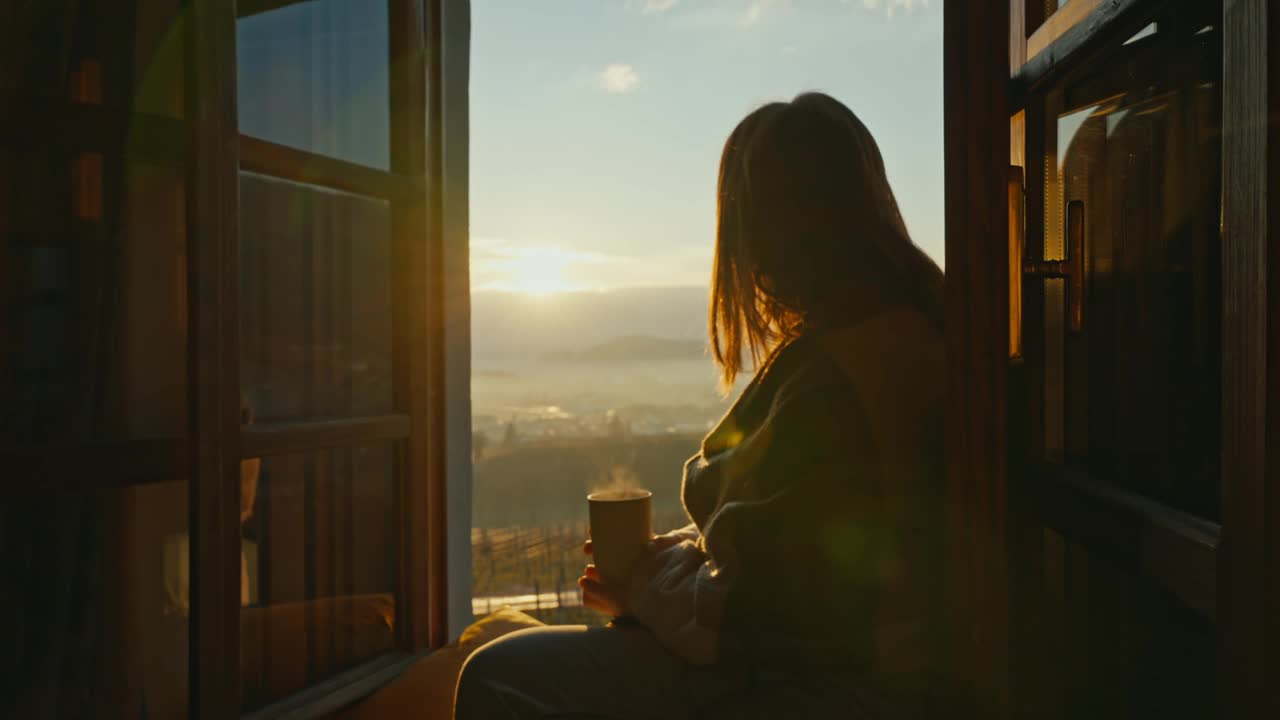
(213, 265)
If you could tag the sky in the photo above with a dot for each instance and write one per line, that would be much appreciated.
(596, 125)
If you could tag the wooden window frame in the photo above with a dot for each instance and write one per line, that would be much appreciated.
(1042, 47)
(1229, 571)
(1248, 582)
(413, 188)
(430, 346)
(1180, 551)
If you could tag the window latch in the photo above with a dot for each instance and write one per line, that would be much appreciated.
(1070, 269)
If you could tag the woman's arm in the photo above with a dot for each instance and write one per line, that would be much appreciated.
(804, 550)
(677, 594)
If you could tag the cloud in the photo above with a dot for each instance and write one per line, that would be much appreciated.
(756, 10)
(892, 6)
(657, 6)
(618, 78)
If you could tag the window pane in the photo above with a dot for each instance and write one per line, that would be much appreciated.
(315, 301)
(321, 543)
(94, 336)
(313, 75)
(48, 48)
(1141, 149)
(95, 604)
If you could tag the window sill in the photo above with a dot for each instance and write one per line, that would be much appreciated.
(339, 691)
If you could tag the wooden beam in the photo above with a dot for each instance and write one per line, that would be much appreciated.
(976, 133)
(1249, 563)
(437, 416)
(213, 218)
(1065, 37)
(44, 122)
(281, 161)
(1170, 548)
(266, 439)
(325, 698)
(1062, 20)
(415, 384)
(95, 466)
(1017, 35)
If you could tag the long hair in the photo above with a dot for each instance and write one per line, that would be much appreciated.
(804, 209)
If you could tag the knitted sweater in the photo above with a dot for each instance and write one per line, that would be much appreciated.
(816, 514)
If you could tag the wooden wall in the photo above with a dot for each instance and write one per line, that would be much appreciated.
(1249, 558)
(976, 127)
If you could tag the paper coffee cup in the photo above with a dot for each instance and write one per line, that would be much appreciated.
(621, 526)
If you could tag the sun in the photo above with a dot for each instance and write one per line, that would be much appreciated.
(534, 270)
(540, 272)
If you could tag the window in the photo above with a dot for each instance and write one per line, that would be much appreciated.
(332, 237)
(203, 305)
(93, 362)
(1135, 147)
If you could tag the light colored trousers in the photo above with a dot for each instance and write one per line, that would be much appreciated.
(622, 673)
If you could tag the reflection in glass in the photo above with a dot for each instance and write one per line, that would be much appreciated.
(315, 301)
(1146, 32)
(313, 76)
(95, 333)
(95, 617)
(321, 555)
(1143, 388)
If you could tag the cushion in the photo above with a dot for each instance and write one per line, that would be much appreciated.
(425, 689)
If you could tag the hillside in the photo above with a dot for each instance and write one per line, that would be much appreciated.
(546, 483)
(633, 348)
(514, 324)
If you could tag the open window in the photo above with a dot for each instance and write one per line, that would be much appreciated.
(332, 234)
(1121, 330)
(222, 362)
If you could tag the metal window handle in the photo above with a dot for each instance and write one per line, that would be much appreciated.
(1070, 269)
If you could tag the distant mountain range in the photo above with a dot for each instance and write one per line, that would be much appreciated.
(633, 348)
(661, 323)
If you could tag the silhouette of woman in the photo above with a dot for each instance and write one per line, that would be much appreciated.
(807, 583)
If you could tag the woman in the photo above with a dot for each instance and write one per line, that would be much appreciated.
(806, 584)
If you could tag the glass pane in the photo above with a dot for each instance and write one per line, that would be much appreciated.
(95, 303)
(313, 75)
(50, 48)
(315, 301)
(321, 544)
(95, 603)
(1143, 155)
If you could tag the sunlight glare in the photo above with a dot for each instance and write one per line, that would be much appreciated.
(540, 272)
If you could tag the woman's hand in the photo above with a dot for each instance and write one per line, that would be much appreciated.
(611, 599)
(657, 543)
(600, 596)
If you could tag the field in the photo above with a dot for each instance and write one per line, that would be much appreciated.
(530, 514)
